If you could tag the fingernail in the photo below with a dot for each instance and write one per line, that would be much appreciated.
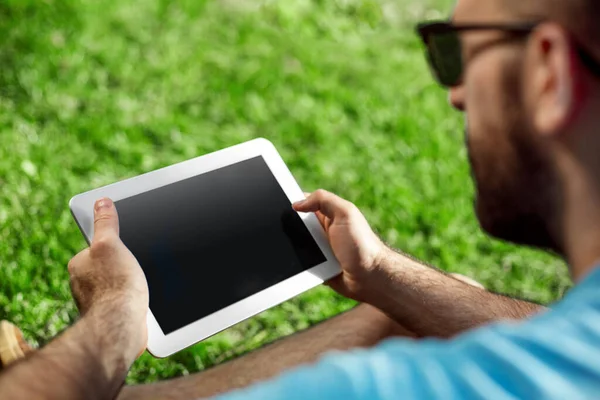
(299, 203)
(103, 204)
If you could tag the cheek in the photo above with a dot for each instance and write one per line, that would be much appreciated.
(492, 117)
(486, 118)
(484, 92)
(493, 104)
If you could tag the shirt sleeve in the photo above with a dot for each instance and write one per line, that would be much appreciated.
(553, 356)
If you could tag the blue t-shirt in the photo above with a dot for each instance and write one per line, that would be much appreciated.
(555, 355)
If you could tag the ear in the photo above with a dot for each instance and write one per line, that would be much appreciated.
(555, 79)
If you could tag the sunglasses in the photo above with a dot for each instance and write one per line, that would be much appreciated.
(444, 47)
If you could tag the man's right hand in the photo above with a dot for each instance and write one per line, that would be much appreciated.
(357, 248)
(108, 283)
(90, 360)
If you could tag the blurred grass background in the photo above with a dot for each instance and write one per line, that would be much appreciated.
(92, 92)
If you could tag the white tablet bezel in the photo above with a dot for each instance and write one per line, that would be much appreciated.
(161, 345)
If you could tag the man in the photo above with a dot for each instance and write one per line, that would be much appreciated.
(524, 74)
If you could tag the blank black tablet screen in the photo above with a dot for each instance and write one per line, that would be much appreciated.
(211, 240)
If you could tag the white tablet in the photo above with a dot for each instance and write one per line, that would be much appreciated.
(217, 239)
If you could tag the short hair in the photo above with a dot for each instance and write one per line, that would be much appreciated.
(579, 17)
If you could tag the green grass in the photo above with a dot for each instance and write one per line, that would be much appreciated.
(94, 92)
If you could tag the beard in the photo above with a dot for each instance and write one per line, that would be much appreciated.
(520, 203)
(518, 196)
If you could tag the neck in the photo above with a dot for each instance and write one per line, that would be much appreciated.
(581, 220)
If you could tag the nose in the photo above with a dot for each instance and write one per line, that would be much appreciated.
(456, 97)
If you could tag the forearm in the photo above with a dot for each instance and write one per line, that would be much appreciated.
(432, 303)
(80, 364)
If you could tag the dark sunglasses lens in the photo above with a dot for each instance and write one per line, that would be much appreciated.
(445, 55)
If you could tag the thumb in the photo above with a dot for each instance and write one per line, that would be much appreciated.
(106, 220)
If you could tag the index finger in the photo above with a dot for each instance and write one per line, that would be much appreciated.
(327, 203)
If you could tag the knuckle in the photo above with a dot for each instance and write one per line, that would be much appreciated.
(344, 212)
(75, 262)
(352, 208)
(349, 210)
(72, 266)
(103, 215)
(321, 193)
(102, 246)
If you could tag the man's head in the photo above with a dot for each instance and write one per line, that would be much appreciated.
(528, 92)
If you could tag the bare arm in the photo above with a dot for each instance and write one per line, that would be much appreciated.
(90, 360)
(80, 364)
(422, 299)
(432, 303)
